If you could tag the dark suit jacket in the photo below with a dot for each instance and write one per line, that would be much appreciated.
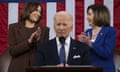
(103, 49)
(47, 54)
(23, 53)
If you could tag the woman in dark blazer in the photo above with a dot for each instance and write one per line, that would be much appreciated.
(101, 37)
(24, 37)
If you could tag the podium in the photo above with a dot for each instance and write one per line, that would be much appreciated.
(64, 69)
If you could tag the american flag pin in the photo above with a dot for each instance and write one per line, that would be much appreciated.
(74, 48)
(101, 33)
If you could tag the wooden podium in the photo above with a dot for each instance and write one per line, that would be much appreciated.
(64, 69)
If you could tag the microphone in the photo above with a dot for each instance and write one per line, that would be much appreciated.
(62, 41)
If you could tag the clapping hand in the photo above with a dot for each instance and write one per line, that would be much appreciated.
(38, 33)
(82, 37)
(35, 36)
(85, 38)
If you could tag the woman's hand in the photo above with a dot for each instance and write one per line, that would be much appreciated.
(85, 38)
(35, 36)
(82, 37)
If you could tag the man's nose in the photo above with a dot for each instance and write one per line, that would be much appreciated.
(61, 27)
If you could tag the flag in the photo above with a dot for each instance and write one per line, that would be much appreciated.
(10, 12)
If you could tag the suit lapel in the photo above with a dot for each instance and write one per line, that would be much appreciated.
(55, 51)
(71, 51)
(99, 36)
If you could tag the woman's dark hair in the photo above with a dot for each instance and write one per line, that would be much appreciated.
(29, 7)
(101, 14)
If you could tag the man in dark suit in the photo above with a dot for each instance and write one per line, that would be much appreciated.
(74, 53)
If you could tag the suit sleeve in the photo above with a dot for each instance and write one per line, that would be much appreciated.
(46, 36)
(106, 49)
(39, 57)
(86, 56)
(16, 49)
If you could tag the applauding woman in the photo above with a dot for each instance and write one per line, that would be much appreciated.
(24, 37)
(101, 37)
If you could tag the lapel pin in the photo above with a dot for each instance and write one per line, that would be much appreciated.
(74, 48)
(101, 33)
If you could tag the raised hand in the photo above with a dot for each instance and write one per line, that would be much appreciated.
(35, 36)
(82, 37)
(85, 38)
(38, 33)
(89, 40)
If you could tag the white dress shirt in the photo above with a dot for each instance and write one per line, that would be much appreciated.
(67, 46)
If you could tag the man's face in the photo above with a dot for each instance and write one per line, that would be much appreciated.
(62, 25)
(35, 15)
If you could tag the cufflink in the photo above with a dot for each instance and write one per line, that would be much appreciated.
(76, 56)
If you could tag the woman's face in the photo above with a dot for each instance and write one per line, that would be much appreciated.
(90, 17)
(35, 15)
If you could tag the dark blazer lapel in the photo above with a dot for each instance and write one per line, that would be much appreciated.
(54, 51)
(71, 51)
